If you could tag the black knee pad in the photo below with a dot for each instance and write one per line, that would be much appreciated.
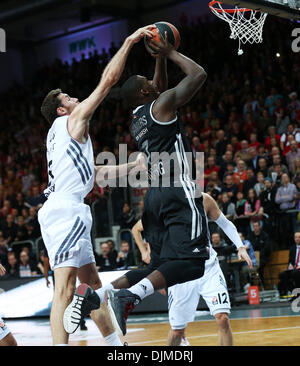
(183, 270)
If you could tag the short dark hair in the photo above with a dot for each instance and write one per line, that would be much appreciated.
(50, 105)
(130, 92)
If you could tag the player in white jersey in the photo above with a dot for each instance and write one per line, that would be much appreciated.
(65, 220)
(183, 298)
(6, 338)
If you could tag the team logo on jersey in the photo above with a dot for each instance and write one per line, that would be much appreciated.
(214, 300)
(139, 124)
(2, 325)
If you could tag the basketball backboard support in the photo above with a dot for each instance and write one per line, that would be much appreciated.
(282, 8)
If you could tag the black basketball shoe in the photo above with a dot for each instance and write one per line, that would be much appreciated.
(120, 304)
(84, 301)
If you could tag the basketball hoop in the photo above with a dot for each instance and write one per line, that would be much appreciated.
(245, 24)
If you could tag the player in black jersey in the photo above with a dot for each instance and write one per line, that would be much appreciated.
(156, 128)
(179, 212)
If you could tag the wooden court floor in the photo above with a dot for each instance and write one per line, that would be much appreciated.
(279, 331)
(267, 331)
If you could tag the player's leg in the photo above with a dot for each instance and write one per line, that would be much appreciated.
(213, 289)
(6, 338)
(182, 304)
(65, 279)
(224, 329)
(88, 274)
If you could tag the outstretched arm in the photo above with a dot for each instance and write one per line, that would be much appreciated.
(214, 213)
(105, 172)
(79, 118)
(164, 109)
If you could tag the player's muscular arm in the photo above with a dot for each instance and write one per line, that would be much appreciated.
(160, 79)
(105, 172)
(144, 249)
(79, 118)
(165, 107)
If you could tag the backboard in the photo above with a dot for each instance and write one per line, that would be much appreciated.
(283, 8)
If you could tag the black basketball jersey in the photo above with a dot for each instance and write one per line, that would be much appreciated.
(155, 138)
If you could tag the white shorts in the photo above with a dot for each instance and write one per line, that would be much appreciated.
(4, 331)
(184, 298)
(66, 224)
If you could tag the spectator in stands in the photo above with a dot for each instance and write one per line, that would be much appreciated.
(294, 105)
(249, 182)
(296, 168)
(253, 210)
(241, 222)
(292, 155)
(253, 158)
(230, 187)
(277, 161)
(272, 134)
(27, 266)
(12, 267)
(260, 241)
(20, 204)
(128, 218)
(290, 278)
(104, 261)
(286, 196)
(112, 251)
(9, 229)
(125, 257)
(267, 201)
(3, 249)
(240, 175)
(263, 166)
(226, 159)
(246, 272)
(210, 167)
(22, 233)
(34, 200)
(227, 207)
(260, 185)
(221, 142)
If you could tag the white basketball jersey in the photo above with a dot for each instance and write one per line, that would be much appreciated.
(70, 163)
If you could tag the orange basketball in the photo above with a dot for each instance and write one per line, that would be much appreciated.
(172, 34)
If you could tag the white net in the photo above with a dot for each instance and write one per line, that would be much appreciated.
(246, 25)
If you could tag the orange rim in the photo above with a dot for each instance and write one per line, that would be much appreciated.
(230, 11)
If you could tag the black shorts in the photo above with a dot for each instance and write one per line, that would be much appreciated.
(175, 223)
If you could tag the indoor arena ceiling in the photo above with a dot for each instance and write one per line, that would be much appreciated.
(37, 20)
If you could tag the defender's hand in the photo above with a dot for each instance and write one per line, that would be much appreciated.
(141, 33)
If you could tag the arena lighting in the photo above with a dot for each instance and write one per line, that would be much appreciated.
(278, 54)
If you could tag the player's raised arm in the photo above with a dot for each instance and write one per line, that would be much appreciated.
(160, 79)
(80, 116)
(168, 102)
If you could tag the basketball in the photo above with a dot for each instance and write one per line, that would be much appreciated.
(172, 34)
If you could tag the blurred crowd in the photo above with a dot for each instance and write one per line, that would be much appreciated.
(246, 119)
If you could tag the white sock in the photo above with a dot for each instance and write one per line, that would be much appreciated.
(100, 291)
(60, 344)
(113, 340)
(143, 288)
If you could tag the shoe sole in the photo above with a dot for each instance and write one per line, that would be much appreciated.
(112, 313)
(72, 317)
